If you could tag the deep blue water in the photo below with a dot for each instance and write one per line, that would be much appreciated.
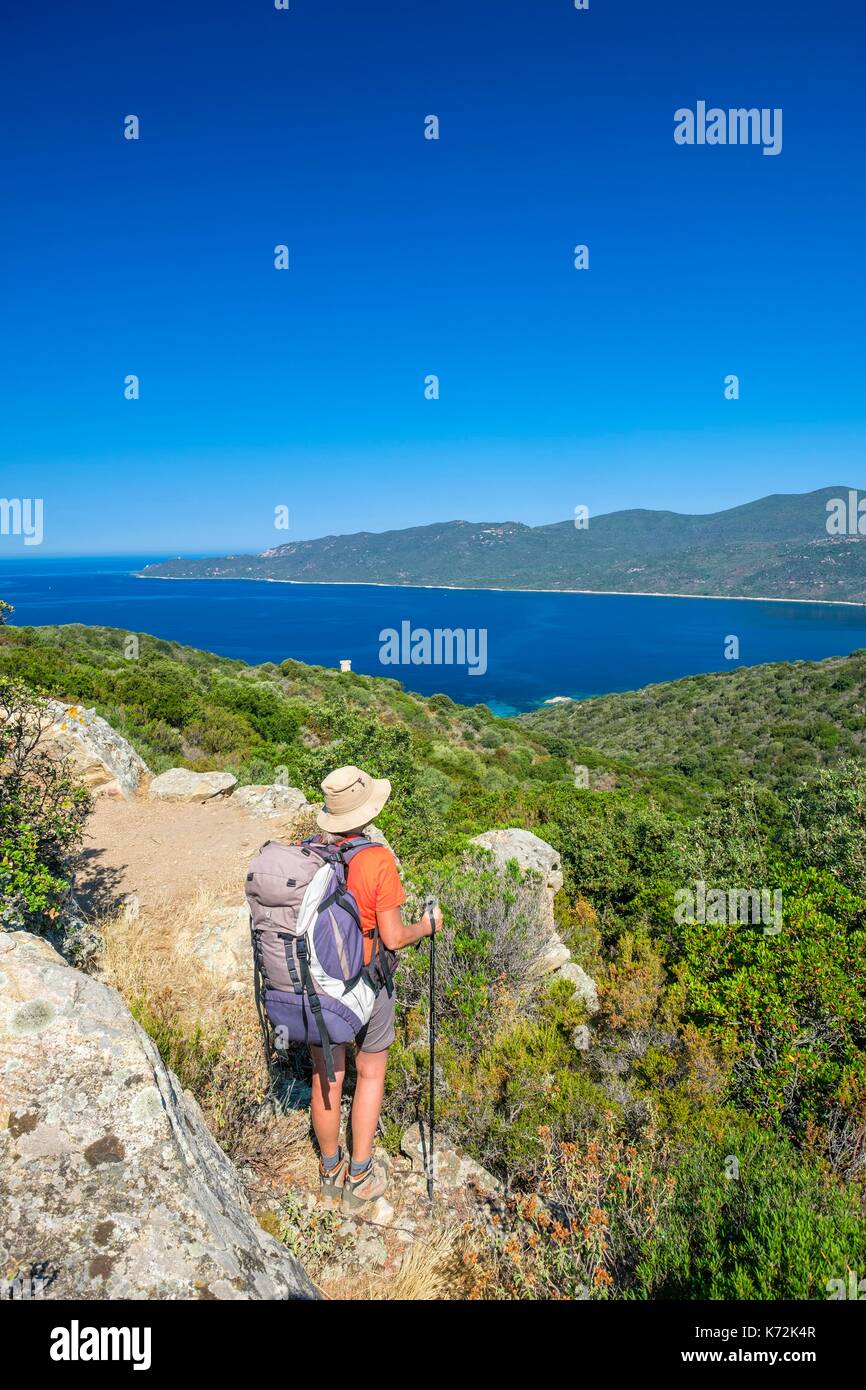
(538, 645)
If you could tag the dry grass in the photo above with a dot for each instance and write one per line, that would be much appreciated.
(431, 1270)
(152, 952)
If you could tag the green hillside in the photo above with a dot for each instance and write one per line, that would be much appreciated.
(713, 1037)
(776, 724)
(182, 707)
(777, 547)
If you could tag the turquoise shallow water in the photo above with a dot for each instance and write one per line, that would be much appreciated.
(538, 645)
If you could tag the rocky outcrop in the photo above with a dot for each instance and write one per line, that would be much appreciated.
(530, 852)
(271, 800)
(554, 957)
(450, 1169)
(585, 986)
(98, 756)
(110, 1182)
(536, 856)
(181, 784)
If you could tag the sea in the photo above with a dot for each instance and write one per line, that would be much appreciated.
(536, 647)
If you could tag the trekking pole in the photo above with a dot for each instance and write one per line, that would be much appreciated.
(430, 908)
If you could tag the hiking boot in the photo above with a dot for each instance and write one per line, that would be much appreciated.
(360, 1193)
(331, 1183)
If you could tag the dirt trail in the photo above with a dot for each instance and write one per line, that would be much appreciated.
(163, 849)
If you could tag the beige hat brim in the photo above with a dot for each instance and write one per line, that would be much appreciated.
(362, 815)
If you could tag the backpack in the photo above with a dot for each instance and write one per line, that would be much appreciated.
(311, 983)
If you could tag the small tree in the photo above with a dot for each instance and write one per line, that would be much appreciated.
(42, 813)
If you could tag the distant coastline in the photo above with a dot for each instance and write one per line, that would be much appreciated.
(498, 589)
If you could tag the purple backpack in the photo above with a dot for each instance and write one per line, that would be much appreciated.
(308, 945)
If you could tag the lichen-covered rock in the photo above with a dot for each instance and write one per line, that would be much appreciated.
(110, 1181)
(99, 757)
(554, 957)
(271, 800)
(181, 784)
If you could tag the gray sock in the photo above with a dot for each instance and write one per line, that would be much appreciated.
(356, 1169)
(330, 1161)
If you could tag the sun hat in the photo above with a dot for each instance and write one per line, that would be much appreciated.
(352, 799)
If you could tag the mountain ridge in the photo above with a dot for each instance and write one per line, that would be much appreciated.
(772, 547)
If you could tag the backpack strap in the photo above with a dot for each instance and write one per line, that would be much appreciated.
(378, 957)
(316, 1006)
(297, 984)
(381, 959)
(349, 848)
(267, 1041)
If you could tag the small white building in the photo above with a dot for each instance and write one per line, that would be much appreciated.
(345, 665)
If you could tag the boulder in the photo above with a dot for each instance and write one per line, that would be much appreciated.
(99, 757)
(270, 800)
(181, 784)
(530, 851)
(110, 1182)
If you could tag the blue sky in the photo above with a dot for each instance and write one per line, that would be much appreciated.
(304, 388)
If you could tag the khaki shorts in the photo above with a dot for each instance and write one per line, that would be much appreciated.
(378, 1032)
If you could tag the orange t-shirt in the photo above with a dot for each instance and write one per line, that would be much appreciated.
(375, 885)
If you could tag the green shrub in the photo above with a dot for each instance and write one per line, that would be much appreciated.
(789, 1009)
(42, 814)
(777, 1229)
(829, 824)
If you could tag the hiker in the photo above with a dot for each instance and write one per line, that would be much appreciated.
(352, 800)
(325, 924)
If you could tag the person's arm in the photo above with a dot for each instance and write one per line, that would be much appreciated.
(395, 933)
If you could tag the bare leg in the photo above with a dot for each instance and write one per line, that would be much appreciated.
(367, 1104)
(325, 1105)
